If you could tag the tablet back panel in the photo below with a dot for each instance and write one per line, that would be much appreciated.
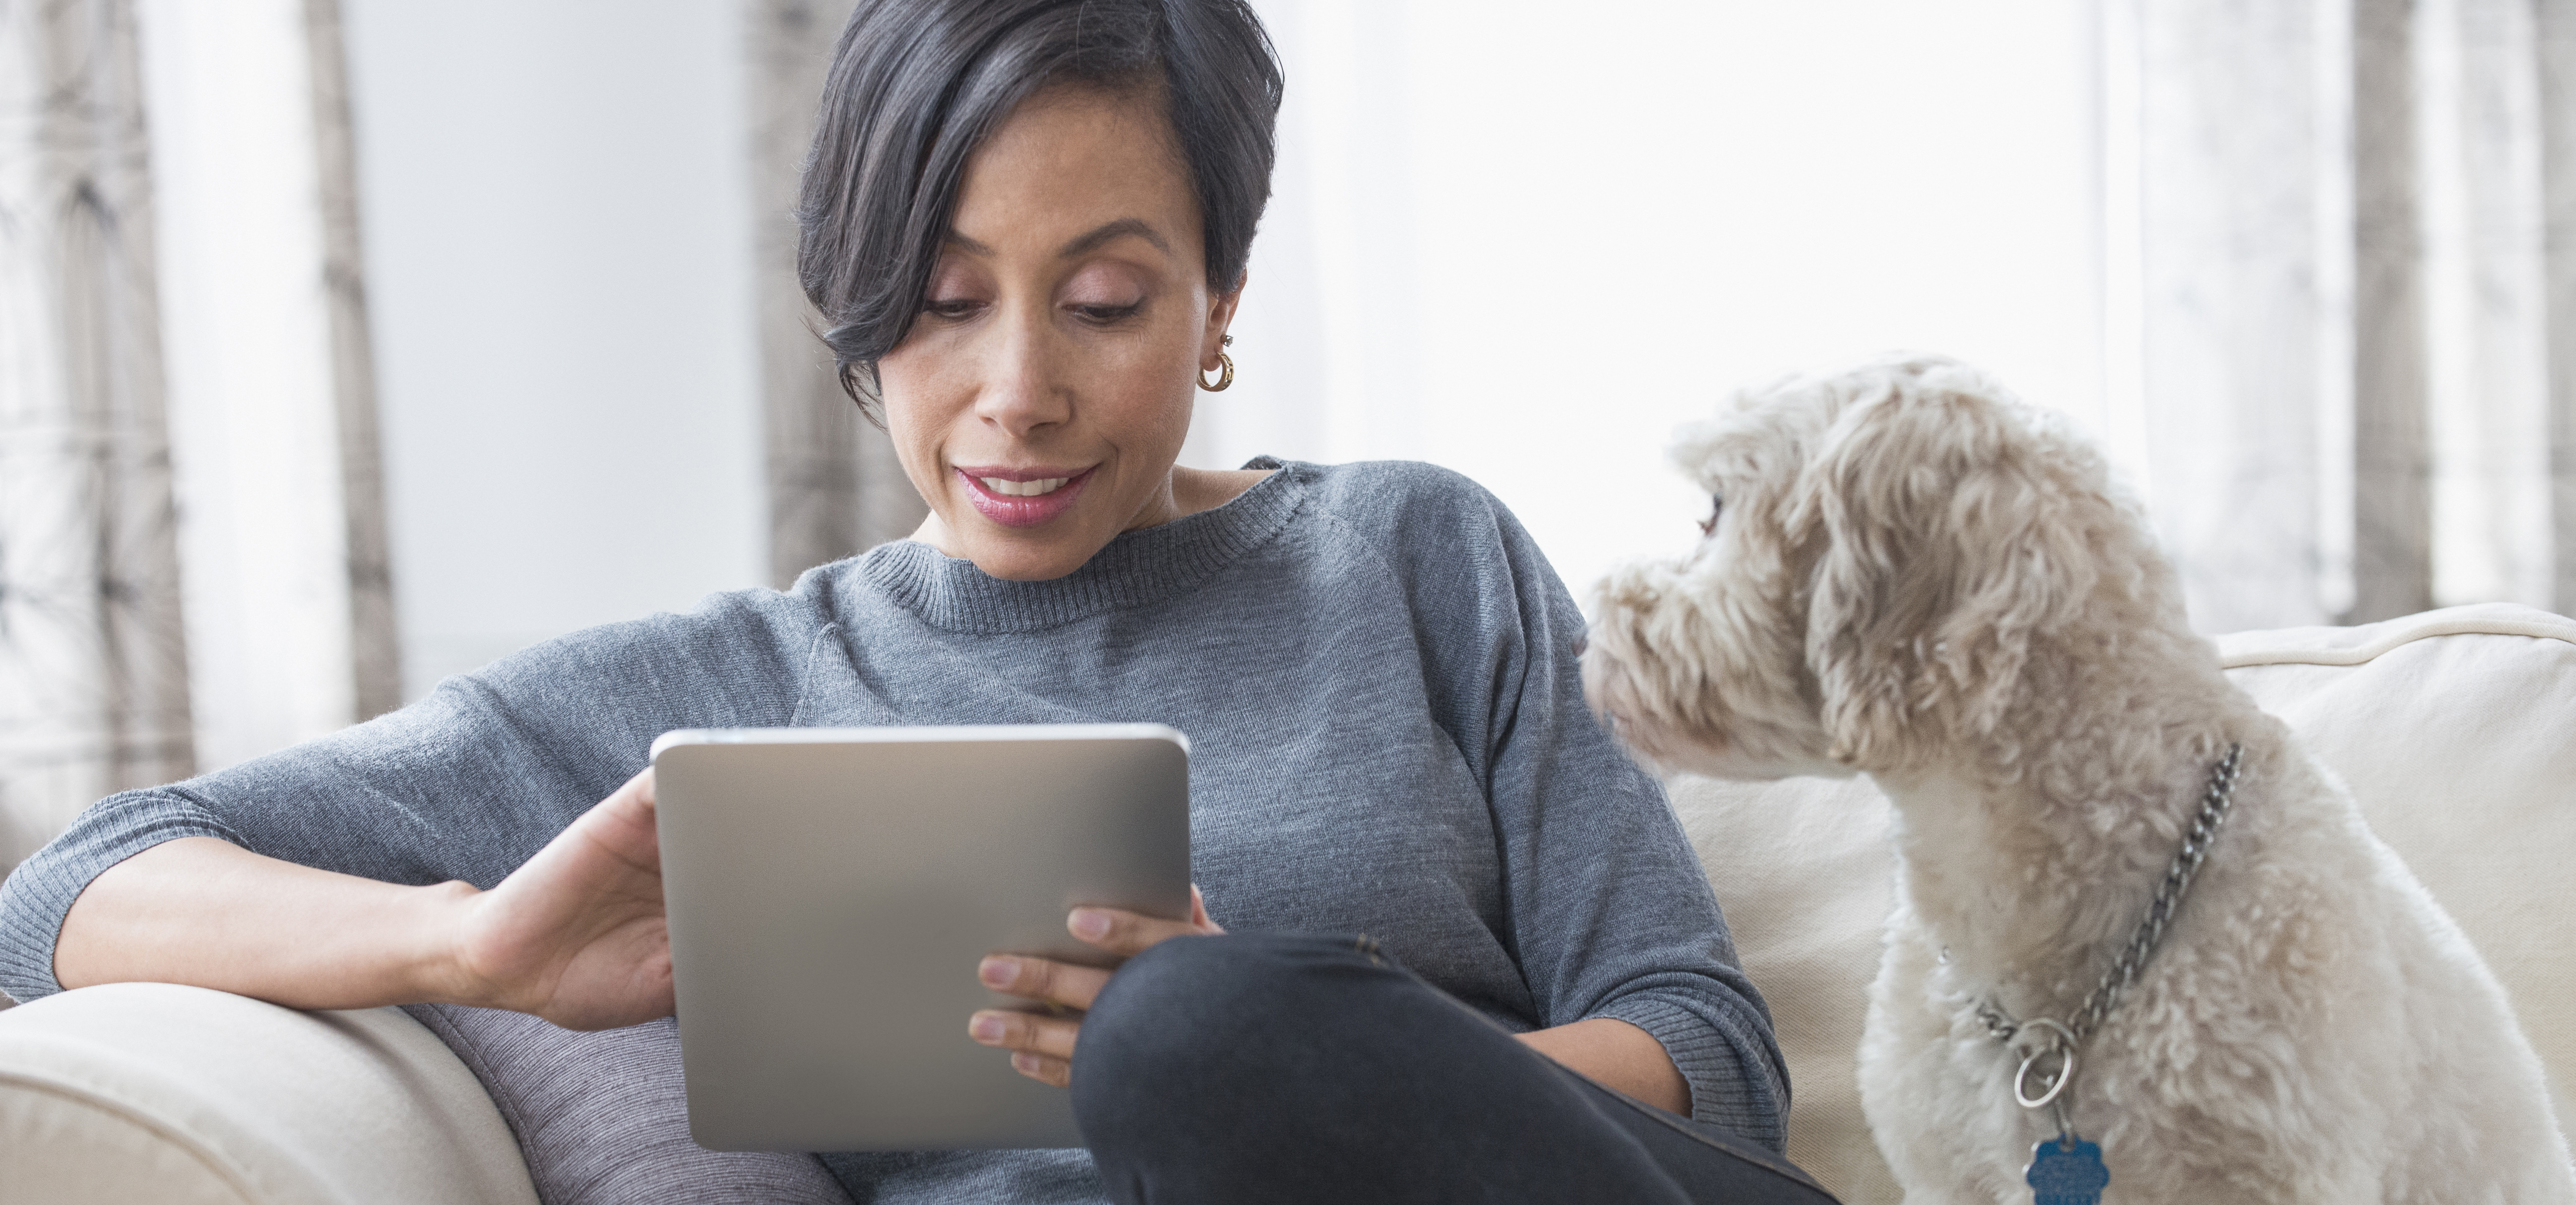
(830, 892)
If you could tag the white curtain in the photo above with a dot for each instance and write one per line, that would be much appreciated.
(93, 681)
(2331, 258)
(282, 545)
(193, 567)
(2557, 37)
(2306, 267)
(1525, 240)
(834, 485)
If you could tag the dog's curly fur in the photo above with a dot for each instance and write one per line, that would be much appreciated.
(1912, 576)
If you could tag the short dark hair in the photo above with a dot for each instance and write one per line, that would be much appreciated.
(916, 85)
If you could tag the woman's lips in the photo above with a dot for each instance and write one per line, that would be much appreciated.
(1022, 510)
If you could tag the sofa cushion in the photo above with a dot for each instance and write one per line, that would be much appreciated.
(603, 1117)
(2456, 730)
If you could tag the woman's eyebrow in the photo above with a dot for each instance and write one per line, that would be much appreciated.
(1089, 242)
(1121, 227)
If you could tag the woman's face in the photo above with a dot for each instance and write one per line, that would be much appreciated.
(1040, 398)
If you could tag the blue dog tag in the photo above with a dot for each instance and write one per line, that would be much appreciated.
(2066, 1170)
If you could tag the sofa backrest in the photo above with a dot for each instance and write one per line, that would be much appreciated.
(2456, 730)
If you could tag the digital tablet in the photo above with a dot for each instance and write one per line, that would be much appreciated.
(830, 892)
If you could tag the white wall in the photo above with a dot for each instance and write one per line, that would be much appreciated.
(1525, 240)
(558, 250)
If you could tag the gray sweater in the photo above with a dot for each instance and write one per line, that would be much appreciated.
(1373, 663)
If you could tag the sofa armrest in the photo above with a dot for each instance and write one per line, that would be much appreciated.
(155, 1092)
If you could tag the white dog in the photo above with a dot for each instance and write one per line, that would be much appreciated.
(1910, 575)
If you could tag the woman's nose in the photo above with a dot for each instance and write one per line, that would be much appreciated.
(1022, 391)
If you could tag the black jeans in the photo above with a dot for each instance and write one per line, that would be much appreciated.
(1306, 1069)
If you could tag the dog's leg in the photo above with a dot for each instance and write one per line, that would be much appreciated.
(1948, 1130)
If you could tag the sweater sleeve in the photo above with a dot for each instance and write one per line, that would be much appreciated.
(465, 784)
(1610, 912)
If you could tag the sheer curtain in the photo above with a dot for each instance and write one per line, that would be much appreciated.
(282, 537)
(193, 567)
(1526, 244)
(833, 484)
(2307, 269)
(93, 673)
(2340, 258)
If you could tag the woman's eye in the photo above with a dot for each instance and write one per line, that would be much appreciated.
(1106, 313)
(950, 307)
(1716, 507)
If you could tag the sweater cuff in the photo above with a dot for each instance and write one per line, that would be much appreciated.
(40, 892)
(1727, 1089)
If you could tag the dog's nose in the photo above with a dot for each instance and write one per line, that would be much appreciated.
(1582, 640)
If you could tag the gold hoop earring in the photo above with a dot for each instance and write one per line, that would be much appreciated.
(1225, 374)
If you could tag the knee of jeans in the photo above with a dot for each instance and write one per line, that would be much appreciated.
(1192, 1001)
(1183, 985)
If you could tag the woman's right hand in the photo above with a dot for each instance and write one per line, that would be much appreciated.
(576, 935)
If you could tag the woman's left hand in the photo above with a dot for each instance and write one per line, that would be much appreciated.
(1041, 1044)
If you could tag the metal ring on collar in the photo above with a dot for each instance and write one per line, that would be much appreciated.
(2062, 1042)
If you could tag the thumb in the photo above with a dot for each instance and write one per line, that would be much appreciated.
(623, 824)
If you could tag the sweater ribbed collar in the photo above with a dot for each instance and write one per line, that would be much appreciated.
(1135, 569)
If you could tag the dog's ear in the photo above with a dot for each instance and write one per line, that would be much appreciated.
(1949, 532)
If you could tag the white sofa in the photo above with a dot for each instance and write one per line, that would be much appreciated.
(2456, 728)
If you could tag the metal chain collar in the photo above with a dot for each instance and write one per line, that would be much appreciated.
(2065, 1037)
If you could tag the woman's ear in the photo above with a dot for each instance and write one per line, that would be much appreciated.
(1221, 308)
(1950, 533)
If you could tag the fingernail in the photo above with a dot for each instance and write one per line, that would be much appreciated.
(1024, 1063)
(985, 1028)
(1088, 923)
(997, 972)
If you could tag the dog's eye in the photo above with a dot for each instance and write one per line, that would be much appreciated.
(1716, 507)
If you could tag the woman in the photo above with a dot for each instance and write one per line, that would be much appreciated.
(1027, 222)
